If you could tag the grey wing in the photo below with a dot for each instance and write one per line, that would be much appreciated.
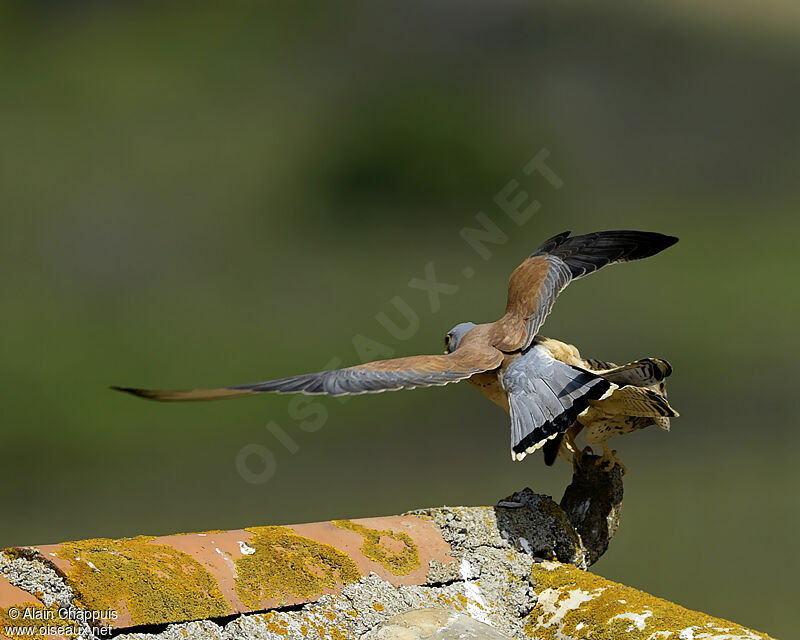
(545, 397)
(557, 279)
(374, 377)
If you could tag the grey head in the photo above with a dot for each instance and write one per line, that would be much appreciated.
(454, 336)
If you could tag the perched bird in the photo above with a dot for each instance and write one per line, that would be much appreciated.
(544, 393)
(639, 401)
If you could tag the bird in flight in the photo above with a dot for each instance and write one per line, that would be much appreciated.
(544, 392)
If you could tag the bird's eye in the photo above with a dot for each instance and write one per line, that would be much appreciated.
(447, 340)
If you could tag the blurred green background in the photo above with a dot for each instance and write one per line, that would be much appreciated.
(195, 196)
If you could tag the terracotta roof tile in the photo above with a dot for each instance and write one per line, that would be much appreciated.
(151, 580)
(19, 608)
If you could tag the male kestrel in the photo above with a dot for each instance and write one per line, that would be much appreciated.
(505, 360)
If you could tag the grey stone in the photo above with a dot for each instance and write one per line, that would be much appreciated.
(434, 624)
(539, 527)
(34, 576)
(440, 573)
(198, 630)
(37, 578)
(593, 504)
(505, 578)
(466, 527)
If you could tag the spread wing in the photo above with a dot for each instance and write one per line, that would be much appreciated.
(373, 377)
(637, 402)
(536, 283)
(643, 392)
(647, 372)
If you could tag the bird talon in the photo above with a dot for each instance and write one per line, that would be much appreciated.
(578, 456)
(610, 460)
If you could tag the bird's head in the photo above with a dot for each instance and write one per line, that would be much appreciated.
(454, 336)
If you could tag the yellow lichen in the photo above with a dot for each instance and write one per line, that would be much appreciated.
(286, 565)
(378, 606)
(336, 634)
(155, 582)
(457, 601)
(400, 563)
(201, 533)
(606, 615)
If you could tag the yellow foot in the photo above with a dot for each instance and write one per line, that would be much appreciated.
(610, 460)
(563, 453)
(577, 457)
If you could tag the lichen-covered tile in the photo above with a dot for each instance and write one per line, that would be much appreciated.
(578, 604)
(397, 548)
(145, 580)
(300, 563)
(176, 578)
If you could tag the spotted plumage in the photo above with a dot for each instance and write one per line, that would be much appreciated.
(546, 389)
(639, 401)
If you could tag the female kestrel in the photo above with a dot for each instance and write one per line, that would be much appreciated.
(638, 401)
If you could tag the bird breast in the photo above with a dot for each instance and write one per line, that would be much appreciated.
(488, 383)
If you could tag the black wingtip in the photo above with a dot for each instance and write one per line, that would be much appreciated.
(139, 393)
(668, 241)
(652, 236)
(551, 243)
(649, 244)
(620, 245)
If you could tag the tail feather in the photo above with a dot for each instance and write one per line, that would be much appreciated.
(546, 397)
(530, 431)
(551, 449)
(575, 393)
